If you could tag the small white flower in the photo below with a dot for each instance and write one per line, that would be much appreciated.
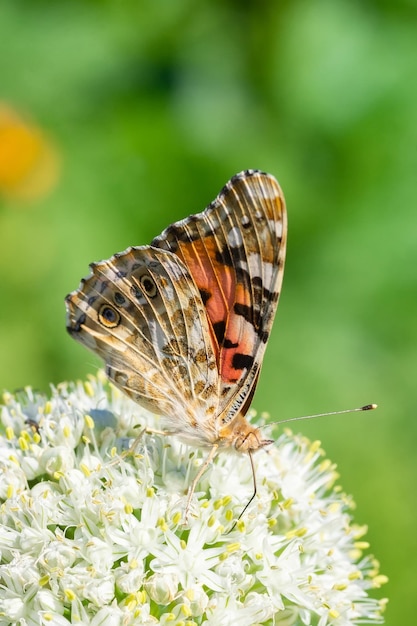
(91, 531)
(162, 588)
(129, 577)
(13, 607)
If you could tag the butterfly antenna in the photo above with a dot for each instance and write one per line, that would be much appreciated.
(367, 407)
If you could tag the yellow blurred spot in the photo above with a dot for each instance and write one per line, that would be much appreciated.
(334, 507)
(325, 465)
(23, 444)
(296, 532)
(89, 421)
(85, 469)
(89, 389)
(7, 397)
(189, 593)
(233, 547)
(241, 526)
(161, 523)
(359, 531)
(315, 445)
(131, 602)
(70, 595)
(128, 508)
(379, 580)
(25, 435)
(28, 163)
(185, 609)
(141, 596)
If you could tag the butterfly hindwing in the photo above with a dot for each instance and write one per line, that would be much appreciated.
(141, 313)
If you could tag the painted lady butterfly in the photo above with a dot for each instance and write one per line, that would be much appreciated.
(182, 325)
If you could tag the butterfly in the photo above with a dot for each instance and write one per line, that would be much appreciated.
(182, 324)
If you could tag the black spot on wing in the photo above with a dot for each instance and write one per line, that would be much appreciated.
(224, 257)
(242, 361)
(264, 336)
(219, 330)
(205, 295)
(119, 298)
(244, 310)
(231, 256)
(77, 324)
(229, 344)
(258, 322)
(267, 294)
(244, 278)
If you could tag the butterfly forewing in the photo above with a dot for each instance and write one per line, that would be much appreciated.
(235, 252)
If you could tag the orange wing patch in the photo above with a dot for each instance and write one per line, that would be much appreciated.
(231, 333)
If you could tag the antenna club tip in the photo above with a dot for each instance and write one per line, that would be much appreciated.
(369, 407)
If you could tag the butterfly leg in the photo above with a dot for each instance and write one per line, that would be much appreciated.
(154, 431)
(255, 490)
(144, 430)
(200, 472)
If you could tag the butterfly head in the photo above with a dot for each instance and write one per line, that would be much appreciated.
(243, 437)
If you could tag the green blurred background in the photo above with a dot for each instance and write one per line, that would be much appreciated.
(147, 109)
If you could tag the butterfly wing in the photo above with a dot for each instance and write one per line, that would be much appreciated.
(182, 324)
(141, 312)
(235, 253)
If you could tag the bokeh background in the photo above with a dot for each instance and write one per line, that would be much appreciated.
(117, 118)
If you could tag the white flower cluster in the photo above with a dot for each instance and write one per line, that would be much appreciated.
(92, 532)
